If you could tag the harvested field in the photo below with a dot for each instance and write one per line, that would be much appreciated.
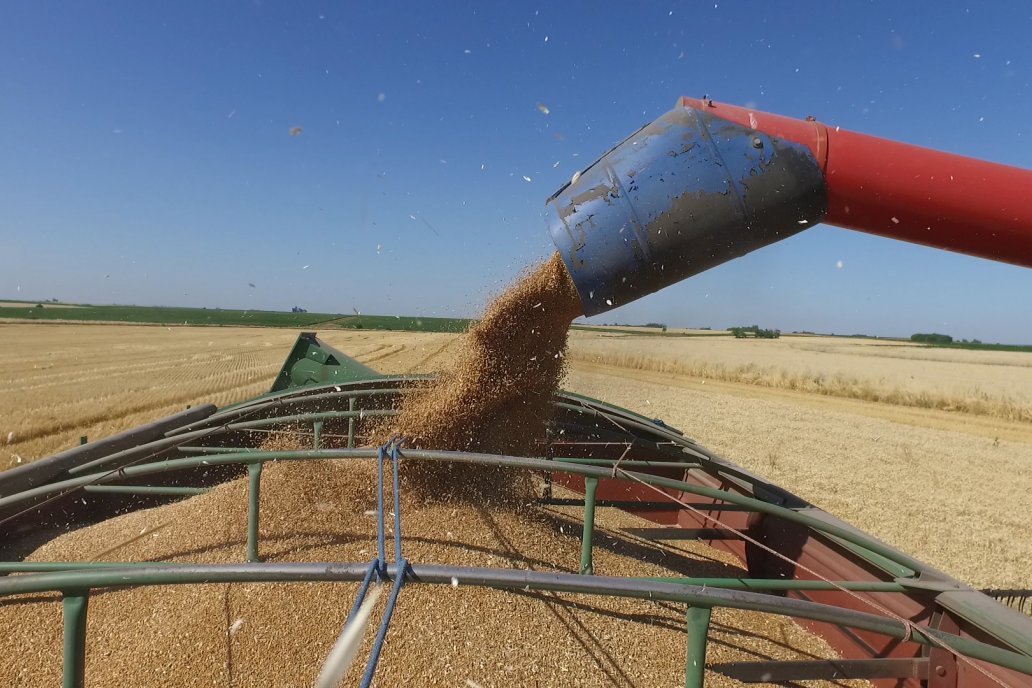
(991, 383)
(639, 329)
(60, 382)
(277, 634)
(859, 459)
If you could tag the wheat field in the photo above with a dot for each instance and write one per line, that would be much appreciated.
(947, 483)
(992, 383)
(61, 382)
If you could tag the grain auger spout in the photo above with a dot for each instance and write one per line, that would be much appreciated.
(708, 182)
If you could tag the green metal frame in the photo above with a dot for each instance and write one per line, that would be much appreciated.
(698, 637)
(852, 537)
(74, 605)
(312, 361)
(588, 533)
(254, 483)
(76, 585)
(75, 580)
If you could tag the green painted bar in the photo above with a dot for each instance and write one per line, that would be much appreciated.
(779, 584)
(643, 424)
(593, 404)
(185, 574)
(285, 400)
(317, 427)
(879, 560)
(637, 463)
(759, 505)
(909, 564)
(631, 505)
(588, 534)
(254, 484)
(171, 442)
(305, 418)
(53, 566)
(146, 490)
(723, 583)
(351, 422)
(698, 630)
(74, 608)
(164, 466)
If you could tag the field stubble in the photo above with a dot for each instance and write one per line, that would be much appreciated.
(988, 383)
(958, 500)
(60, 382)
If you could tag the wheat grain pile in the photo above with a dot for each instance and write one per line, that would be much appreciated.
(278, 634)
(495, 396)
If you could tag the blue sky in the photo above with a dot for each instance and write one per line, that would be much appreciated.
(145, 153)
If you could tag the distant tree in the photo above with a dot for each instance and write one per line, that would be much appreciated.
(39, 305)
(754, 331)
(931, 338)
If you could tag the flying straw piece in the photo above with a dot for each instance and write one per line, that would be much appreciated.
(343, 652)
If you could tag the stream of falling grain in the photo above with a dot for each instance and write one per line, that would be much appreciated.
(496, 397)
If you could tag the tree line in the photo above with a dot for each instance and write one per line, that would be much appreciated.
(754, 331)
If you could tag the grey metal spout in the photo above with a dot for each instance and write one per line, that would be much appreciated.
(683, 194)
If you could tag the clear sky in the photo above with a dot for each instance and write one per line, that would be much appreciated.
(146, 154)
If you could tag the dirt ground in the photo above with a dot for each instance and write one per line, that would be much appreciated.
(946, 486)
